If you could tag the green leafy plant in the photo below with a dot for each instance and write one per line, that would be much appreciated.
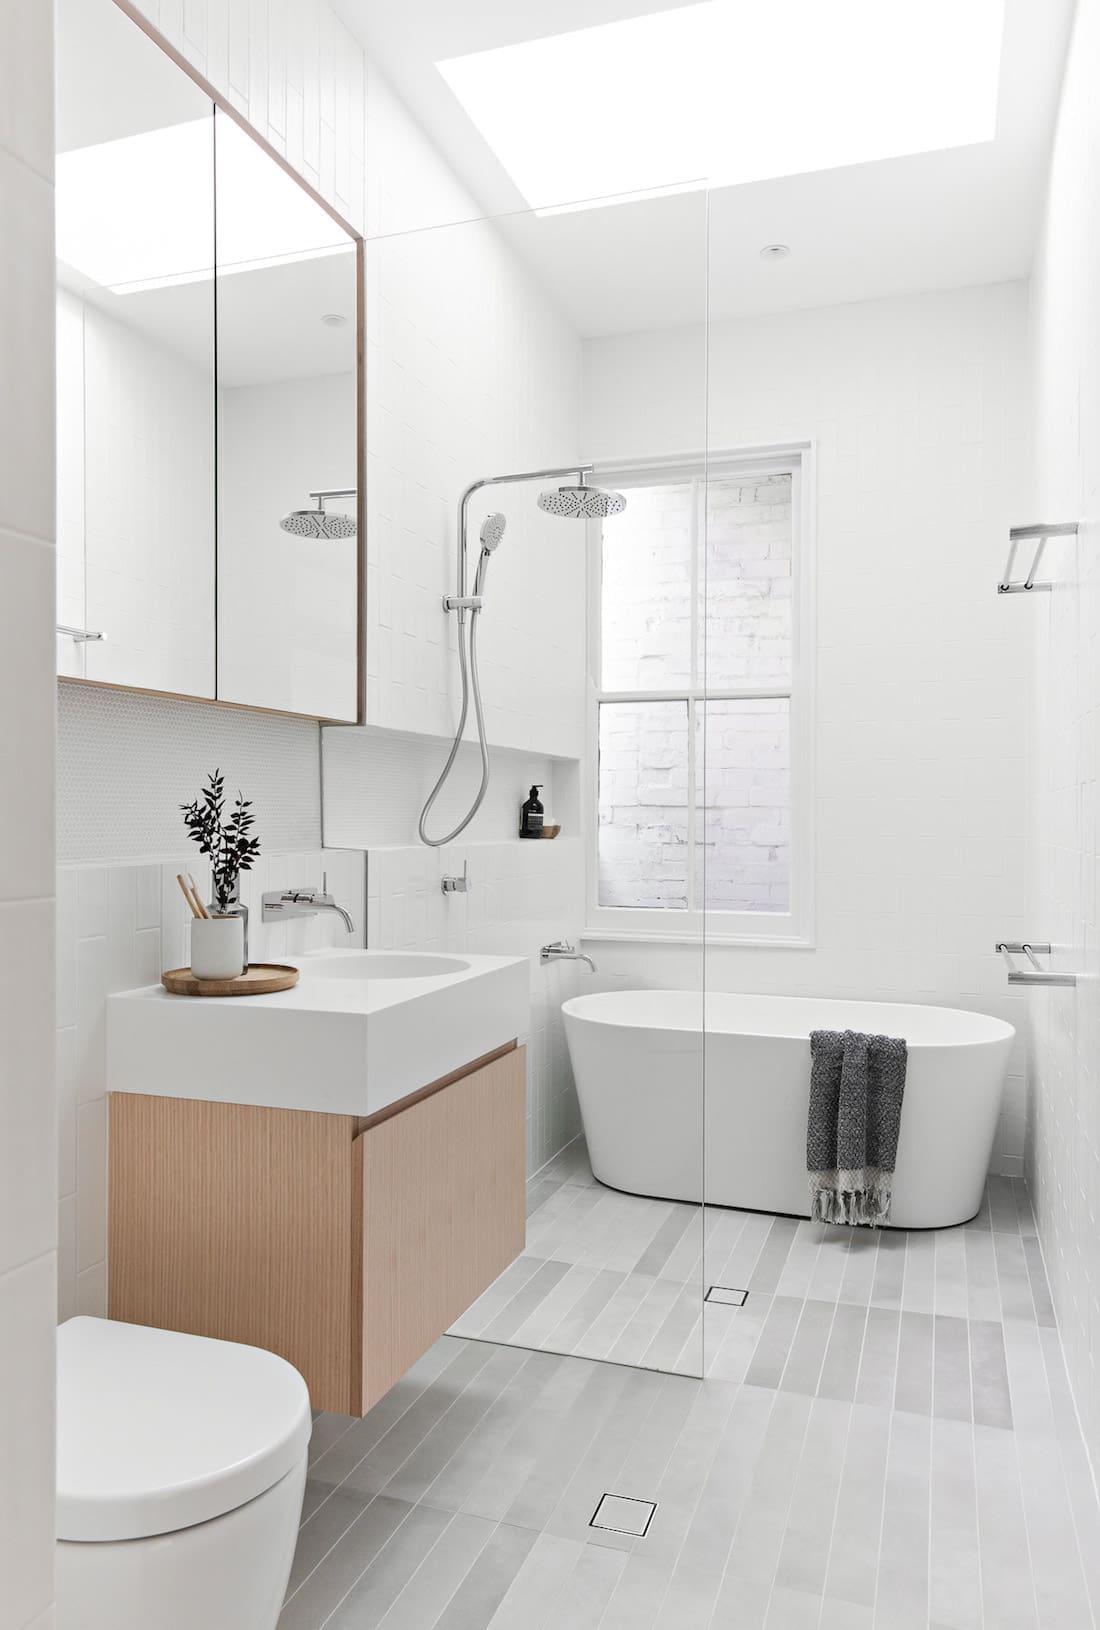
(223, 837)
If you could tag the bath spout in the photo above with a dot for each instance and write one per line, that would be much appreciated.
(562, 951)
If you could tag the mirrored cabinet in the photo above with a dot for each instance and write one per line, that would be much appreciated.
(209, 370)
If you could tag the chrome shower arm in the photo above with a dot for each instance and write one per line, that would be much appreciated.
(449, 603)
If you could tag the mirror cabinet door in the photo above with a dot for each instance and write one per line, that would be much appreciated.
(288, 441)
(135, 359)
(208, 361)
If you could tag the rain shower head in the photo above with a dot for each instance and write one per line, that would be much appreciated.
(492, 530)
(582, 502)
(317, 523)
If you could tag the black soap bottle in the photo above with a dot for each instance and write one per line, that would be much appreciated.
(530, 824)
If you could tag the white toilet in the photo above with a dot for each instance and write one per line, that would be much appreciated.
(181, 1464)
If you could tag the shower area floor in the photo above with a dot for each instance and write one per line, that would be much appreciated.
(621, 1278)
(885, 1441)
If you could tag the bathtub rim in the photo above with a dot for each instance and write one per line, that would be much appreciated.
(582, 1007)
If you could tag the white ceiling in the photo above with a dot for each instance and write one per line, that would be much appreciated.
(934, 220)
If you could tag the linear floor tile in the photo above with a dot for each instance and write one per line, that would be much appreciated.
(885, 1438)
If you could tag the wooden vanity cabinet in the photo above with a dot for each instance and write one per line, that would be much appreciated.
(346, 1245)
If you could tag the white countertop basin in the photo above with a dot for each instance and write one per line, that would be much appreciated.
(358, 1031)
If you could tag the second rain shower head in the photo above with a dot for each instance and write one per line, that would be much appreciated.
(582, 502)
(318, 523)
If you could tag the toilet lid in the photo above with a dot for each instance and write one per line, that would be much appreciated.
(157, 1431)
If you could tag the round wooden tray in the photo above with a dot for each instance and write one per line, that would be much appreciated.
(261, 979)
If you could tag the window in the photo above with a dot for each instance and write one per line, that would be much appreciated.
(699, 641)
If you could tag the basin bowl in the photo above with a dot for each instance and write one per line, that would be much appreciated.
(382, 965)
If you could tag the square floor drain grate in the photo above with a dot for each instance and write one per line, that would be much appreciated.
(619, 1514)
(725, 1296)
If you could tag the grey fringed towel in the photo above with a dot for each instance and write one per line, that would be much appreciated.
(857, 1084)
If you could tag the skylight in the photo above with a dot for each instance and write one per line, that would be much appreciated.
(733, 91)
(138, 213)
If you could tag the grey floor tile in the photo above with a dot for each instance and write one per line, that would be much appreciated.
(951, 1395)
(840, 1370)
(989, 1375)
(773, 1349)
(484, 1588)
(322, 1530)
(311, 1605)
(914, 1375)
(879, 1359)
(390, 1571)
(423, 1600)
(802, 1372)
(886, 1441)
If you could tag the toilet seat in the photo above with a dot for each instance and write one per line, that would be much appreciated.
(158, 1431)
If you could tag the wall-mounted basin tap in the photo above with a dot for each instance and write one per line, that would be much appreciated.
(562, 951)
(282, 903)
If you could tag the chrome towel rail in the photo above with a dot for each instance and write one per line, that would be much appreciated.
(81, 635)
(1036, 974)
(1040, 533)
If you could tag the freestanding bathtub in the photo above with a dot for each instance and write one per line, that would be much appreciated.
(653, 1078)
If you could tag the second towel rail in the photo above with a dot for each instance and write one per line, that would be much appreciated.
(1036, 974)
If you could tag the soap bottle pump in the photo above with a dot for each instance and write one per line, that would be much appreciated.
(531, 815)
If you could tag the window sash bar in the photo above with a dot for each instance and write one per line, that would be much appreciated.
(692, 693)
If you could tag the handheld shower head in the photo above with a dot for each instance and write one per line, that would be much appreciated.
(582, 503)
(492, 530)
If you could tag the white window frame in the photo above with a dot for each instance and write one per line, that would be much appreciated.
(789, 929)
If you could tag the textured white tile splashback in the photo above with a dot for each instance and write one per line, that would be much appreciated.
(126, 763)
(919, 408)
(1064, 1134)
(118, 928)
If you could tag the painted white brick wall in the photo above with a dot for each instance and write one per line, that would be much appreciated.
(742, 750)
(919, 409)
(118, 928)
(1064, 1131)
(28, 1211)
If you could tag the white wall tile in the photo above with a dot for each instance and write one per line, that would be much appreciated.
(28, 1155)
(922, 672)
(26, 109)
(26, 675)
(1064, 1131)
(522, 896)
(26, 349)
(28, 1129)
(27, 1317)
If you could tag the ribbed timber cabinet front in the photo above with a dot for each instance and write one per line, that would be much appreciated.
(346, 1245)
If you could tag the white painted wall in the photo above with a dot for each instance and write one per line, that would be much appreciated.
(918, 408)
(136, 503)
(28, 1217)
(470, 373)
(1064, 1141)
